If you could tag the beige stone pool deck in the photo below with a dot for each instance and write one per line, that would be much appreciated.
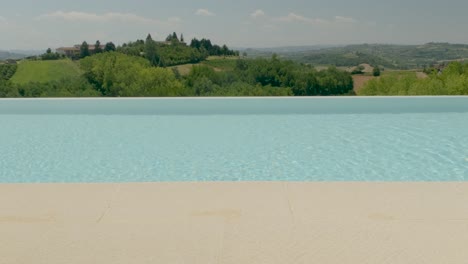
(235, 223)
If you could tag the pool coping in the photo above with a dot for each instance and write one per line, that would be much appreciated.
(231, 97)
(227, 223)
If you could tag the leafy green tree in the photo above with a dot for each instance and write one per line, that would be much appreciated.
(67, 87)
(426, 86)
(117, 74)
(109, 47)
(84, 50)
(200, 72)
(7, 89)
(457, 85)
(7, 71)
(195, 43)
(204, 86)
(148, 38)
(50, 56)
(301, 79)
(376, 71)
(172, 38)
(151, 52)
(97, 47)
(213, 50)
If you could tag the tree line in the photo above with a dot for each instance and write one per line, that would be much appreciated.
(205, 45)
(174, 51)
(85, 51)
(117, 74)
(276, 76)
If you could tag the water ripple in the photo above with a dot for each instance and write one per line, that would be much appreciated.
(353, 147)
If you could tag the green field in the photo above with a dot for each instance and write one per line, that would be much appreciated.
(221, 63)
(45, 71)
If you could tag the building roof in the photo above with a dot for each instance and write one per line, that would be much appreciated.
(68, 48)
(77, 48)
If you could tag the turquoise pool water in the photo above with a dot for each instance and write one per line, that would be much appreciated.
(266, 139)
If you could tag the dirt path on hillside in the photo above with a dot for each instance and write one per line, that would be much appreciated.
(360, 81)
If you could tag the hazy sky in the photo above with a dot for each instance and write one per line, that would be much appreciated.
(40, 24)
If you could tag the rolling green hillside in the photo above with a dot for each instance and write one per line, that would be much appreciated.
(45, 71)
(9, 55)
(384, 55)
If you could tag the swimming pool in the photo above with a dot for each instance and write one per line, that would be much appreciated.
(234, 139)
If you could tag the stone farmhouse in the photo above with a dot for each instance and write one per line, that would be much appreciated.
(75, 50)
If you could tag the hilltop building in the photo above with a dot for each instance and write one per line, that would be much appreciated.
(10, 61)
(75, 50)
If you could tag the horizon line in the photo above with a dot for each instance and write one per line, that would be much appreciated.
(274, 47)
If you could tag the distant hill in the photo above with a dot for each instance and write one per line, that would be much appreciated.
(4, 55)
(268, 52)
(384, 55)
(45, 71)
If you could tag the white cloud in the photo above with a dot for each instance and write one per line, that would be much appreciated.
(371, 23)
(342, 19)
(204, 12)
(5, 24)
(257, 14)
(269, 27)
(75, 16)
(293, 17)
(174, 20)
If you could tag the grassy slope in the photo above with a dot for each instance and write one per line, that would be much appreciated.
(221, 63)
(45, 71)
(360, 80)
